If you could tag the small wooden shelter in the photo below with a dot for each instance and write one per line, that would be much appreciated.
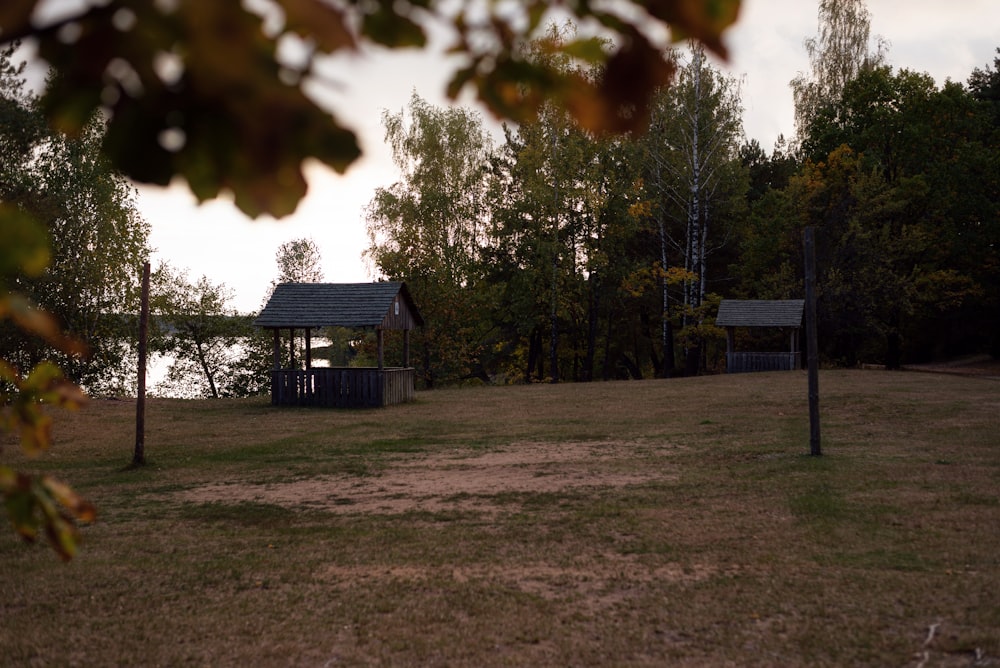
(785, 314)
(309, 306)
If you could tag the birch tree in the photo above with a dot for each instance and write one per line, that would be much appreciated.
(694, 174)
(837, 54)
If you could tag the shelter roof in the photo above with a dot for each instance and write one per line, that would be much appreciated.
(316, 305)
(760, 313)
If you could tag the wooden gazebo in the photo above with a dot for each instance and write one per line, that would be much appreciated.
(784, 313)
(309, 306)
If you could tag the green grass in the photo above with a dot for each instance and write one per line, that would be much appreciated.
(675, 522)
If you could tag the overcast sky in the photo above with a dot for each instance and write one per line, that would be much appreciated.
(944, 39)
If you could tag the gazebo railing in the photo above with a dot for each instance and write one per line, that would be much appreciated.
(342, 387)
(750, 362)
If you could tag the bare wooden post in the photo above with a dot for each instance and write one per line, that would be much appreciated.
(291, 348)
(812, 341)
(139, 453)
(406, 348)
(309, 352)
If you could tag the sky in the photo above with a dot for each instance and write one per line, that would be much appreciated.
(944, 39)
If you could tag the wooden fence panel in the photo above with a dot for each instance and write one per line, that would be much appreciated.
(753, 362)
(342, 387)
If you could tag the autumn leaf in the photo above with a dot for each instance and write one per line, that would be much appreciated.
(703, 20)
(227, 116)
(319, 21)
(15, 16)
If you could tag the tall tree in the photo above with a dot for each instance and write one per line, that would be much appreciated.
(543, 218)
(837, 54)
(98, 240)
(429, 229)
(697, 181)
(299, 261)
(903, 199)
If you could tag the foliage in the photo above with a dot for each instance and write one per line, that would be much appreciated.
(62, 191)
(564, 203)
(71, 242)
(206, 338)
(429, 227)
(34, 503)
(215, 92)
(298, 261)
(696, 184)
(836, 56)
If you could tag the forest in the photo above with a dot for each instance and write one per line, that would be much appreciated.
(558, 254)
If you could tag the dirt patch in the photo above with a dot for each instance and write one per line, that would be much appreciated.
(450, 481)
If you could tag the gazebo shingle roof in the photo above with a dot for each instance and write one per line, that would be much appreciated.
(760, 313)
(317, 305)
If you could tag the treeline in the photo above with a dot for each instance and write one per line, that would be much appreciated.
(560, 255)
(555, 254)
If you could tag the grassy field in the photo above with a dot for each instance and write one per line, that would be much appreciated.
(638, 523)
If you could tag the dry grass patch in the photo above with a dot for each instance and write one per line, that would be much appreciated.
(663, 522)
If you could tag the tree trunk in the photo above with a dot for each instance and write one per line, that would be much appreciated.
(202, 359)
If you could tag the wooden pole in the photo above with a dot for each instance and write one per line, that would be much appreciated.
(812, 341)
(309, 352)
(406, 348)
(139, 454)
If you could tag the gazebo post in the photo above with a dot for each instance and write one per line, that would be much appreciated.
(291, 347)
(406, 348)
(309, 356)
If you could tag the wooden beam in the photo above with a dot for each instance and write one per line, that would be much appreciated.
(406, 348)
